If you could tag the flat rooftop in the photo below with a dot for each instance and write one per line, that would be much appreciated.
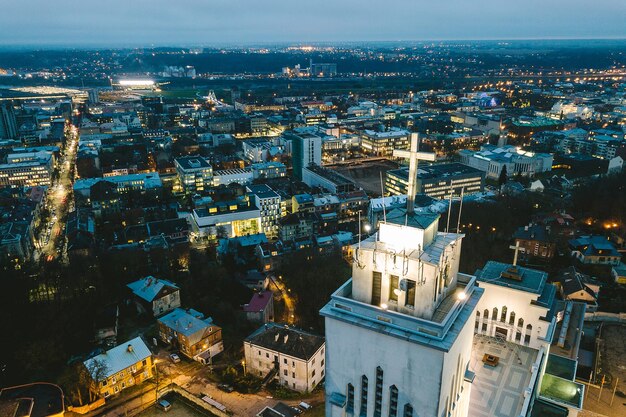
(498, 391)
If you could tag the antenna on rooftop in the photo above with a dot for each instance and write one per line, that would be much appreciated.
(382, 193)
(458, 223)
(449, 209)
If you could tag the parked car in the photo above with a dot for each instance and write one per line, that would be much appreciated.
(225, 387)
(175, 358)
(305, 406)
(164, 405)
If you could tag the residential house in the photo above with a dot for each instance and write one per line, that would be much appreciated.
(594, 250)
(261, 307)
(291, 356)
(576, 286)
(123, 366)
(155, 296)
(535, 242)
(196, 337)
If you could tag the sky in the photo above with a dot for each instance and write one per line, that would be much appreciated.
(230, 22)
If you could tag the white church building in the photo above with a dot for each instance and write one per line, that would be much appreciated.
(410, 336)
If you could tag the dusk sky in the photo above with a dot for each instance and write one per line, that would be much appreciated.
(147, 22)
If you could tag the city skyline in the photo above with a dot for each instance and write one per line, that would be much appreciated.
(237, 23)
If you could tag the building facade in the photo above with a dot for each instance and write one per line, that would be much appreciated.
(194, 173)
(296, 359)
(122, 367)
(437, 181)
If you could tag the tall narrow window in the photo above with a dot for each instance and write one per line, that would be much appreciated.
(512, 318)
(378, 393)
(393, 286)
(350, 399)
(410, 293)
(376, 282)
(408, 410)
(363, 409)
(494, 314)
(529, 330)
(503, 315)
(393, 401)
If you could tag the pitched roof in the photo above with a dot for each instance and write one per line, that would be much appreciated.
(189, 323)
(258, 302)
(149, 288)
(287, 340)
(119, 357)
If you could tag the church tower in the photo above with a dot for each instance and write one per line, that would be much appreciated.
(399, 333)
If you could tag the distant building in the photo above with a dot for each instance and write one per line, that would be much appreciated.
(155, 296)
(122, 367)
(196, 337)
(535, 241)
(194, 173)
(383, 143)
(437, 181)
(491, 160)
(261, 307)
(32, 169)
(323, 69)
(231, 218)
(8, 123)
(293, 357)
(307, 150)
(229, 176)
(267, 170)
(595, 250)
(317, 176)
(268, 202)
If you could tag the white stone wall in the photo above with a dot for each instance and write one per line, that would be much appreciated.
(414, 369)
(515, 301)
(294, 373)
(424, 274)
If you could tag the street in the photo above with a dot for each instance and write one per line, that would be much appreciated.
(51, 241)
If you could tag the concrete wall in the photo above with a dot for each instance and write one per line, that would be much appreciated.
(414, 369)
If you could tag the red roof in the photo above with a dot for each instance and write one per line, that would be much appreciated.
(258, 302)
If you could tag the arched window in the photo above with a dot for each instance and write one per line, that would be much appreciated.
(520, 323)
(378, 393)
(529, 330)
(494, 314)
(486, 314)
(350, 399)
(408, 410)
(512, 318)
(393, 401)
(503, 314)
(363, 407)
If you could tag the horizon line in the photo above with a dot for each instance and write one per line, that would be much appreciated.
(243, 44)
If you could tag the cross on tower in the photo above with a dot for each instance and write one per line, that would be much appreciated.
(517, 248)
(413, 156)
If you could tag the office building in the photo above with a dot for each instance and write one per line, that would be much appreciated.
(8, 123)
(268, 203)
(437, 181)
(307, 150)
(492, 160)
(194, 173)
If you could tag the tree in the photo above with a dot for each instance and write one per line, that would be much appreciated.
(503, 176)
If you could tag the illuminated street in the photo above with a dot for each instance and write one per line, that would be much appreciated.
(59, 202)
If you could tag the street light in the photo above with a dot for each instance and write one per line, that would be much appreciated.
(243, 364)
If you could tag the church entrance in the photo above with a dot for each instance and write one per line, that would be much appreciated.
(501, 333)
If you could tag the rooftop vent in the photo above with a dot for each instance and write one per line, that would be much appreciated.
(130, 348)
